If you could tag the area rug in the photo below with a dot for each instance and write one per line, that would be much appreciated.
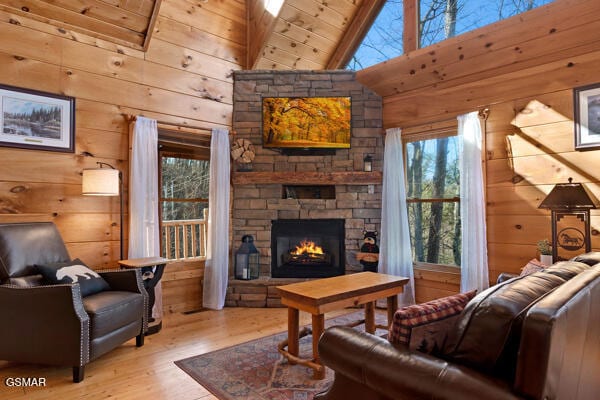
(256, 371)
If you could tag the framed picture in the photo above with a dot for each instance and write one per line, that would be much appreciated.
(31, 119)
(587, 117)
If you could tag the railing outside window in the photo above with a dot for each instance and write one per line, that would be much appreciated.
(185, 239)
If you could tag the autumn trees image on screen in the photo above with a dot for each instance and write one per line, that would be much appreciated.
(321, 122)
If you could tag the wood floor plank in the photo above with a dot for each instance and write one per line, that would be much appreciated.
(130, 373)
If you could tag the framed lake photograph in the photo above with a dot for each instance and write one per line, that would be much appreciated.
(37, 120)
(587, 117)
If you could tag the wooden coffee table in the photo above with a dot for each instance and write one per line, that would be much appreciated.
(328, 294)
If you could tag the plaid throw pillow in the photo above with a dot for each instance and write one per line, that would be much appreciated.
(425, 326)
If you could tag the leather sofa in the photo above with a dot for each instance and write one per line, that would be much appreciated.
(530, 337)
(53, 323)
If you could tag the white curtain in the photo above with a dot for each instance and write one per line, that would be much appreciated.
(143, 198)
(474, 266)
(395, 256)
(217, 258)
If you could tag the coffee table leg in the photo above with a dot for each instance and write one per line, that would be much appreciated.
(293, 328)
(318, 325)
(392, 306)
(370, 317)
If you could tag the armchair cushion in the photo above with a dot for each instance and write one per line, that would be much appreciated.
(73, 272)
(111, 310)
(425, 326)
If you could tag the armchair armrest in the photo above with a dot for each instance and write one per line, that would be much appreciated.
(128, 280)
(394, 372)
(44, 324)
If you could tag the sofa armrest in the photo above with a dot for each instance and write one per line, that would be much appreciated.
(44, 324)
(397, 373)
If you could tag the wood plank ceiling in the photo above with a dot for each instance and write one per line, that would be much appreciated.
(307, 34)
(125, 22)
(304, 34)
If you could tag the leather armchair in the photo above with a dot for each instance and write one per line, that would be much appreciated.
(55, 324)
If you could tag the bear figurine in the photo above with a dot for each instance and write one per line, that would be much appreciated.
(369, 251)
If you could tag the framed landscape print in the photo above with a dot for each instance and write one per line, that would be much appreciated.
(587, 117)
(36, 120)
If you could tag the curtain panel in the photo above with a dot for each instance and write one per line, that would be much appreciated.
(217, 258)
(144, 225)
(395, 254)
(474, 265)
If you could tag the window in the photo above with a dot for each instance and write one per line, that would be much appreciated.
(184, 180)
(384, 40)
(184, 187)
(442, 19)
(438, 20)
(432, 176)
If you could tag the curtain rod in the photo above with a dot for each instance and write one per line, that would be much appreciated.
(132, 118)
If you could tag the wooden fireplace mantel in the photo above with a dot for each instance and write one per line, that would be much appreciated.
(308, 178)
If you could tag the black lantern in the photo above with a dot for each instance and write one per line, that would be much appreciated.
(570, 204)
(246, 259)
(368, 163)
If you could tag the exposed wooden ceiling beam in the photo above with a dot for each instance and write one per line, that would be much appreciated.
(358, 28)
(410, 35)
(151, 24)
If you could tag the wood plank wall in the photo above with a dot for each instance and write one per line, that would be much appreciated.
(185, 77)
(523, 69)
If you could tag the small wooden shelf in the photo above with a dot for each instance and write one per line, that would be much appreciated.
(308, 192)
(308, 178)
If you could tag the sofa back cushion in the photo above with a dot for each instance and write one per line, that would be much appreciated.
(26, 244)
(493, 319)
(590, 258)
(567, 269)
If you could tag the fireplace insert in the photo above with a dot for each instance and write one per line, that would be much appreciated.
(307, 248)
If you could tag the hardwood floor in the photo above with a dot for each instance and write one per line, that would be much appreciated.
(148, 372)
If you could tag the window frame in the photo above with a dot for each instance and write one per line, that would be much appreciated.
(178, 151)
(171, 154)
(447, 129)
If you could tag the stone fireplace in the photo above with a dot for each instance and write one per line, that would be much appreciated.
(303, 187)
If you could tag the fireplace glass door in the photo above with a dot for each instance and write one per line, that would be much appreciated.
(307, 248)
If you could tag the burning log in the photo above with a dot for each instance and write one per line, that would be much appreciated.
(306, 253)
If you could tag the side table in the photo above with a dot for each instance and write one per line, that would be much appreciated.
(152, 270)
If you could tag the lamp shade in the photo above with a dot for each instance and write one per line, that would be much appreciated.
(569, 196)
(100, 182)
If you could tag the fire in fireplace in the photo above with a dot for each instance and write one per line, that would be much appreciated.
(307, 252)
(307, 248)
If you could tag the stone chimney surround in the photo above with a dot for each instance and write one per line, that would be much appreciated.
(259, 196)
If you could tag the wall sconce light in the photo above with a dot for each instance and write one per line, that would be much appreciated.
(368, 163)
(105, 182)
(570, 204)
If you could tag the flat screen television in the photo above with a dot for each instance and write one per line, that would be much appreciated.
(306, 122)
